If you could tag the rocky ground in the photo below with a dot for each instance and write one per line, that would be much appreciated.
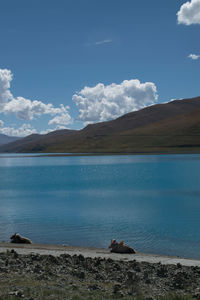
(34, 277)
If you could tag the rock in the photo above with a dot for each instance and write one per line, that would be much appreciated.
(116, 288)
(196, 295)
(52, 259)
(3, 270)
(81, 275)
(148, 281)
(37, 269)
(196, 270)
(136, 266)
(162, 271)
(179, 266)
(35, 257)
(97, 262)
(75, 286)
(180, 280)
(81, 257)
(17, 294)
(93, 287)
(146, 278)
(132, 276)
(15, 254)
(99, 277)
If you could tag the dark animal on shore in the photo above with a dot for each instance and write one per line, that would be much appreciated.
(18, 239)
(120, 247)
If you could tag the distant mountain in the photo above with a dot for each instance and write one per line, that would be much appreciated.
(4, 139)
(172, 127)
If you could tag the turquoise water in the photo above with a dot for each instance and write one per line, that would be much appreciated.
(150, 202)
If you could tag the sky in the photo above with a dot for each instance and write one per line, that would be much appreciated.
(69, 63)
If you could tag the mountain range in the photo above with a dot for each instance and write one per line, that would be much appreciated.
(5, 139)
(172, 127)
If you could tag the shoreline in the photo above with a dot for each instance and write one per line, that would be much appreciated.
(103, 253)
(44, 154)
(44, 272)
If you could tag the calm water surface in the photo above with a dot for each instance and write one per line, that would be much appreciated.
(150, 202)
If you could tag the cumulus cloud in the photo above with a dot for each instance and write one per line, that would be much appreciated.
(189, 13)
(106, 102)
(194, 56)
(1, 123)
(24, 130)
(23, 108)
(26, 109)
(63, 119)
(5, 94)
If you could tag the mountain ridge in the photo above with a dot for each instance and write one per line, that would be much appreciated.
(171, 127)
(5, 139)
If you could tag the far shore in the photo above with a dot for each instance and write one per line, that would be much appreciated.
(43, 154)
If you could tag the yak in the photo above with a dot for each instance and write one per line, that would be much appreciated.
(17, 238)
(120, 247)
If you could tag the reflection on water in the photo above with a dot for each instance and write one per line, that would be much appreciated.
(151, 202)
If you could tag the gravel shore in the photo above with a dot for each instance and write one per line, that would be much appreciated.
(57, 272)
(57, 250)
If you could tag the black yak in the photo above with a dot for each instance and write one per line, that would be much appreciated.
(17, 238)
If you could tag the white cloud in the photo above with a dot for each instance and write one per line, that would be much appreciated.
(58, 127)
(189, 13)
(106, 41)
(102, 103)
(62, 119)
(24, 130)
(46, 131)
(5, 94)
(26, 109)
(194, 56)
(98, 43)
(23, 108)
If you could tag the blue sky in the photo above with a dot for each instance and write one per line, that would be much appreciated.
(98, 59)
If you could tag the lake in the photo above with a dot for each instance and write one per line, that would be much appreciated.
(151, 202)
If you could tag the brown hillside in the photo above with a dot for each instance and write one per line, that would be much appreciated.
(172, 127)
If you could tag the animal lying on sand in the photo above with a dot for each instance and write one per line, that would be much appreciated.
(18, 239)
(120, 247)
